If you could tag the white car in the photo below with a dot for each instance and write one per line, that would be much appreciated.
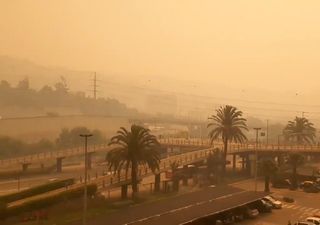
(314, 220)
(276, 204)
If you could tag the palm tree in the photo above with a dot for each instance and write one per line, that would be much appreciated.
(228, 125)
(268, 168)
(295, 160)
(132, 149)
(300, 130)
(215, 162)
(175, 177)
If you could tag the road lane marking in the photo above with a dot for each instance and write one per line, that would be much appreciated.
(315, 210)
(184, 207)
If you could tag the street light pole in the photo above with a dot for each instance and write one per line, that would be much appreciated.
(279, 141)
(267, 132)
(256, 160)
(85, 136)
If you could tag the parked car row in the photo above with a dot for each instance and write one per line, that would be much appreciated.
(307, 186)
(249, 211)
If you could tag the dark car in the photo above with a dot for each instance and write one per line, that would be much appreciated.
(310, 187)
(250, 212)
(306, 184)
(286, 183)
(239, 214)
(262, 206)
(225, 218)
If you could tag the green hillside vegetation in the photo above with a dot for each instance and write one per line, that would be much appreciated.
(10, 147)
(19, 100)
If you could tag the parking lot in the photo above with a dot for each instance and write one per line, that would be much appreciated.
(305, 205)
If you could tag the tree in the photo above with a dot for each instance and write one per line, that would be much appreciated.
(215, 162)
(23, 84)
(62, 86)
(133, 148)
(70, 138)
(300, 131)
(5, 85)
(228, 125)
(268, 168)
(295, 160)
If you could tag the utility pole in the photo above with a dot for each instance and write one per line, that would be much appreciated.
(85, 136)
(256, 160)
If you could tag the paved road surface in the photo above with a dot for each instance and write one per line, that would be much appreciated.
(179, 209)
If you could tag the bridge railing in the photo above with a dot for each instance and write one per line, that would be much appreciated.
(165, 141)
(165, 164)
(52, 154)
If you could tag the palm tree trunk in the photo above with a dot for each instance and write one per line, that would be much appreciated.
(267, 183)
(225, 152)
(134, 179)
(294, 177)
(299, 141)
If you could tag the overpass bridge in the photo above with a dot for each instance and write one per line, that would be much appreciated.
(242, 150)
(122, 179)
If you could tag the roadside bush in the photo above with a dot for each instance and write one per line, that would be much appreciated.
(50, 200)
(36, 190)
(288, 199)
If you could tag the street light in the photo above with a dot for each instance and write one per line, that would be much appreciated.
(85, 136)
(256, 160)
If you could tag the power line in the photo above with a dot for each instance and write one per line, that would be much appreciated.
(209, 97)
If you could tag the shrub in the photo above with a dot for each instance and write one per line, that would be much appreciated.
(288, 199)
(36, 190)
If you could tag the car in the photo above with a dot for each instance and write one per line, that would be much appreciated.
(238, 214)
(314, 220)
(227, 218)
(53, 179)
(276, 204)
(261, 205)
(251, 213)
(306, 184)
(310, 187)
(304, 223)
(316, 215)
(282, 183)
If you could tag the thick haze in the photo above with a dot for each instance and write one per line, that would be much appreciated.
(246, 53)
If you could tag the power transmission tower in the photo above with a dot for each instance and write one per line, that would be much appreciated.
(95, 86)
